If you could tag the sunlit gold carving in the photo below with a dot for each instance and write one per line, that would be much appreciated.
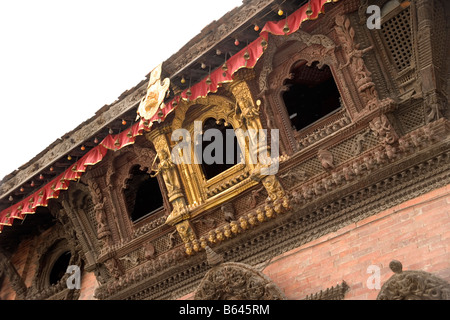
(186, 232)
(168, 170)
(234, 227)
(273, 187)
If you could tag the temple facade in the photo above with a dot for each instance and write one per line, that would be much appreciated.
(336, 184)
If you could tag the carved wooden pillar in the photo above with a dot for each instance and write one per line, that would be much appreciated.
(434, 101)
(179, 216)
(103, 230)
(355, 62)
(248, 113)
(87, 246)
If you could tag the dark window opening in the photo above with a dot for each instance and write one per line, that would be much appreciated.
(312, 95)
(143, 195)
(229, 157)
(60, 267)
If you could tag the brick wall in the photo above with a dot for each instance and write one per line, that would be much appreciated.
(88, 285)
(417, 233)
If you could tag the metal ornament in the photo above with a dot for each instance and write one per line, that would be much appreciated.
(156, 92)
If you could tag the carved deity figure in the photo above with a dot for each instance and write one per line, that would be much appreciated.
(326, 159)
(185, 231)
(149, 251)
(248, 112)
(433, 107)
(355, 58)
(362, 76)
(168, 170)
(273, 187)
(383, 129)
(102, 226)
(113, 268)
(228, 211)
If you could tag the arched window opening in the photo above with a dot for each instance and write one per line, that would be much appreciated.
(59, 267)
(312, 94)
(225, 152)
(143, 195)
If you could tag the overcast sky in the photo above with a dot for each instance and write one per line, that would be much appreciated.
(61, 61)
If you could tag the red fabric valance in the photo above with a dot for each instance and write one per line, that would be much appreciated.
(295, 20)
(246, 58)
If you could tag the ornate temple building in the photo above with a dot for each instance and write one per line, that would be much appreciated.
(353, 202)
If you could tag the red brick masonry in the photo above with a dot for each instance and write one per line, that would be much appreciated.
(416, 232)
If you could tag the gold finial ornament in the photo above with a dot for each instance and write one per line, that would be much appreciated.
(225, 69)
(264, 44)
(246, 55)
(156, 92)
(309, 10)
(286, 28)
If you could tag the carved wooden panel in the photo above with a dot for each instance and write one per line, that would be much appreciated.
(413, 285)
(237, 281)
(411, 117)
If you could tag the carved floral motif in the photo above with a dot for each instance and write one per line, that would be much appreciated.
(237, 281)
(383, 129)
(355, 61)
(413, 285)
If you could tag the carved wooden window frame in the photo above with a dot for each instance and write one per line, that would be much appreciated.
(142, 157)
(278, 62)
(48, 253)
(198, 188)
(80, 199)
(155, 213)
(110, 179)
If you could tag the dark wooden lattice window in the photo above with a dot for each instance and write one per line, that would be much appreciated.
(396, 33)
(143, 195)
(312, 94)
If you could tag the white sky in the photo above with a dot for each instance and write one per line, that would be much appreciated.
(61, 60)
